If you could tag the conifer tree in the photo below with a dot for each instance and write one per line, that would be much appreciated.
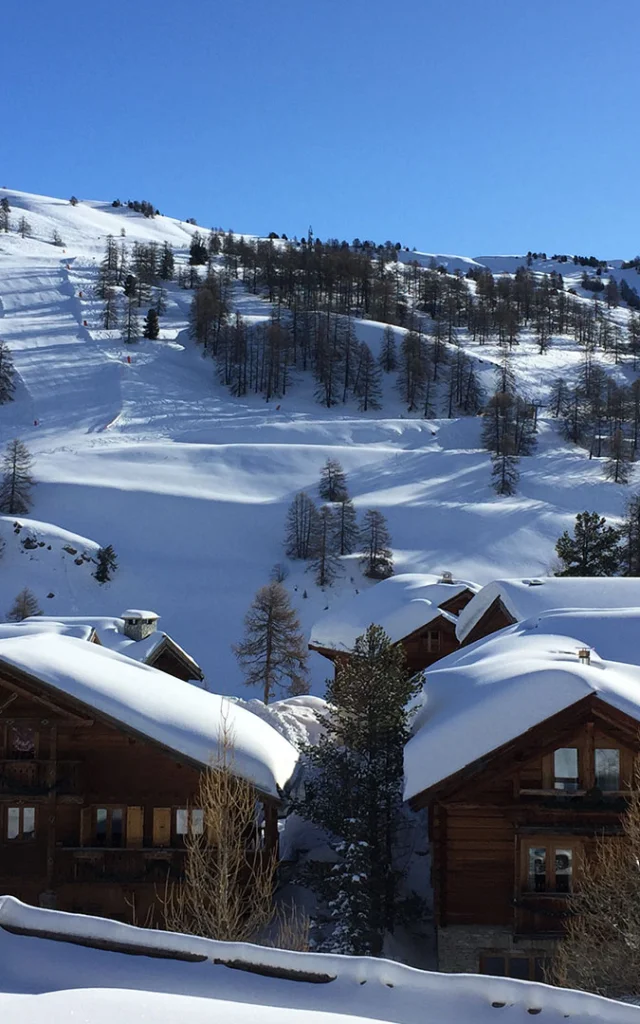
(24, 606)
(346, 531)
(151, 325)
(5, 210)
(24, 228)
(273, 652)
(7, 374)
(160, 301)
(367, 384)
(131, 329)
(504, 473)
(631, 537)
(388, 357)
(353, 793)
(618, 464)
(301, 520)
(593, 550)
(107, 564)
(324, 562)
(333, 481)
(198, 252)
(110, 314)
(17, 482)
(167, 265)
(375, 541)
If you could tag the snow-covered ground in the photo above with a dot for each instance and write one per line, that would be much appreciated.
(58, 982)
(191, 486)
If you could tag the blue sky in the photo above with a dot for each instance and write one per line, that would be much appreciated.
(449, 125)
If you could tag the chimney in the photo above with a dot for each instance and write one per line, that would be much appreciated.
(584, 656)
(138, 625)
(446, 577)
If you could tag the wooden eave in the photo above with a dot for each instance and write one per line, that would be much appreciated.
(169, 646)
(439, 622)
(478, 631)
(445, 605)
(539, 740)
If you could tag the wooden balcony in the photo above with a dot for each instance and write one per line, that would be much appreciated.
(117, 865)
(541, 914)
(34, 778)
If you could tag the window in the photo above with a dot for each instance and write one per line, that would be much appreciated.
(549, 868)
(565, 769)
(21, 823)
(607, 769)
(109, 826)
(433, 641)
(528, 968)
(189, 819)
(22, 743)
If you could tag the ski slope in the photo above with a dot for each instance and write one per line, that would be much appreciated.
(191, 486)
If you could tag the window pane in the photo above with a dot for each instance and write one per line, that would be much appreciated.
(181, 821)
(28, 822)
(197, 821)
(492, 965)
(13, 822)
(101, 826)
(537, 868)
(607, 770)
(564, 869)
(22, 742)
(117, 829)
(519, 967)
(539, 968)
(565, 769)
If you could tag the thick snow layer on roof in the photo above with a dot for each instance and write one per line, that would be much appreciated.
(136, 613)
(400, 605)
(525, 598)
(184, 718)
(486, 694)
(613, 632)
(44, 980)
(29, 627)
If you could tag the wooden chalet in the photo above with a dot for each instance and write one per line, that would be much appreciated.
(100, 760)
(419, 611)
(505, 602)
(520, 768)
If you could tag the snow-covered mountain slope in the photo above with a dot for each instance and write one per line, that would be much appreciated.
(191, 486)
(58, 981)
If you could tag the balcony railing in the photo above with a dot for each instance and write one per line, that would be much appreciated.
(120, 865)
(542, 913)
(33, 778)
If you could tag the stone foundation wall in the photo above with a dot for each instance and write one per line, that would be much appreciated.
(460, 946)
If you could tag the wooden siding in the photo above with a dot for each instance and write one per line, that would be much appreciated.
(496, 617)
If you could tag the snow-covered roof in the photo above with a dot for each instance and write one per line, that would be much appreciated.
(525, 598)
(110, 632)
(489, 693)
(182, 717)
(613, 632)
(136, 613)
(400, 604)
(29, 627)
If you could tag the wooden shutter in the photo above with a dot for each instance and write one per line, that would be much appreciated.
(86, 831)
(135, 826)
(162, 826)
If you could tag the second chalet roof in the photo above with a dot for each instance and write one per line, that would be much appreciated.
(525, 598)
(400, 604)
(492, 691)
(182, 717)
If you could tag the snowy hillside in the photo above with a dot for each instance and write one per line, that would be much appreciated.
(59, 981)
(191, 486)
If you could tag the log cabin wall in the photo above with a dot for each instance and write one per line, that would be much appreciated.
(92, 818)
(507, 848)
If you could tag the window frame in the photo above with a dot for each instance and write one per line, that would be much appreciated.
(17, 723)
(550, 843)
(532, 958)
(21, 837)
(108, 844)
(189, 811)
(586, 745)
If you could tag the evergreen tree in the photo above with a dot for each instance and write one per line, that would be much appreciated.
(17, 482)
(333, 481)
(160, 301)
(110, 314)
(107, 564)
(631, 537)
(618, 464)
(353, 792)
(325, 562)
(504, 473)
(345, 525)
(5, 210)
(7, 374)
(593, 550)
(376, 560)
(388, 357)
(131, 329)
(198, 252)
(167, 265)
(273, 652)
(24, 228)
(151, 325)
(301, 519)
(367, 382)
(558, 396)
(24, 606)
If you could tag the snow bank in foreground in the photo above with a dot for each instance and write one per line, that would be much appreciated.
(56, 982)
